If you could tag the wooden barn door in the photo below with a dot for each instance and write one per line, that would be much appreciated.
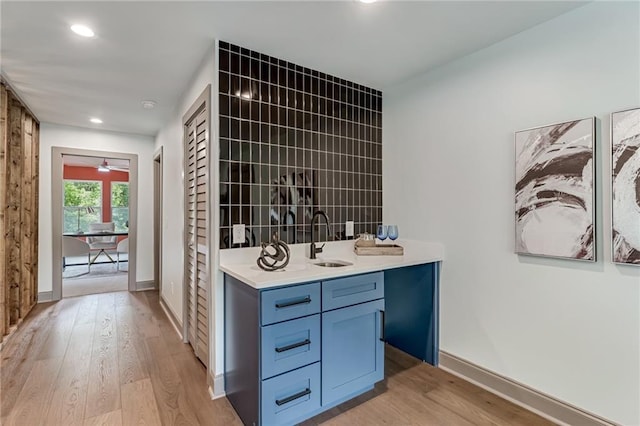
(197, 228)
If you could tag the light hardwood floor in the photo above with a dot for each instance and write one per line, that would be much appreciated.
(114, 359)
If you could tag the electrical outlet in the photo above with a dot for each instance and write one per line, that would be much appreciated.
(238, 233)
(348, 228)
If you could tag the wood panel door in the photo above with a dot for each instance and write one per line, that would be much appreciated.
(197, 232)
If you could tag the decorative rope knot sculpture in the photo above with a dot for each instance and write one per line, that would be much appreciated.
(274, 255)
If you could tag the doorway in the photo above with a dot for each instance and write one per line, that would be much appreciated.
(157, 219)
(95, 225)
(94, 228)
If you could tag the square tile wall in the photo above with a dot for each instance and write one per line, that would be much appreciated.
(292, 141)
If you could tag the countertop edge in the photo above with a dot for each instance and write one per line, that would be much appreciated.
(329, 273)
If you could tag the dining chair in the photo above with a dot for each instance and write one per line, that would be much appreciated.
(123, 247)
(72, 246)
(108, 242)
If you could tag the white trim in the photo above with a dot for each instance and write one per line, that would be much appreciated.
(544, 405)
(45, 296)
(173, 319)
(216, 386)
(145, 285)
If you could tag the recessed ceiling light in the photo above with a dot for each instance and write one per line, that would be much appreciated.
(82, 30)
(367, 1)
(96, 120)
(148, 104)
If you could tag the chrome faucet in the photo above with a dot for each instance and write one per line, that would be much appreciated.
(313, 250)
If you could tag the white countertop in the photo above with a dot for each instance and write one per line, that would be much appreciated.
(241, 263)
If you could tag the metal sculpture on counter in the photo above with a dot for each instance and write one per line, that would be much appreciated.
(274, 255)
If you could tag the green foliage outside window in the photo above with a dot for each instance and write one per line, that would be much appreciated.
(82, 205)
(120, 205)
(82, 194)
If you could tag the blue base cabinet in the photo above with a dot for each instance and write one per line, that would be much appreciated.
(411, 296)
(352, 349)
(296, 351)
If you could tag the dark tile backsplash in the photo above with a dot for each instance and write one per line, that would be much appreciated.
(292, 141)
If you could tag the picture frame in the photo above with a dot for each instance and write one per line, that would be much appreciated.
(625, 187)
(555, 190)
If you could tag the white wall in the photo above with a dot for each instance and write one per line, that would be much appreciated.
(566, 328)
(75, 137)
(170, 138)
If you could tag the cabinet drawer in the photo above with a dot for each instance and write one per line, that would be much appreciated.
(290, 302)
(291, 397)
(289, 345)
(352, 290)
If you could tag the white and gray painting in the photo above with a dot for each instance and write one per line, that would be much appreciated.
(554, 191)
(625, 143)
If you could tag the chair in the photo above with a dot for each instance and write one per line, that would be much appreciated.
(123, 247)
(102, 243)
(72, 246)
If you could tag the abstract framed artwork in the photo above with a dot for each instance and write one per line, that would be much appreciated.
(625, 186)
(554, 190)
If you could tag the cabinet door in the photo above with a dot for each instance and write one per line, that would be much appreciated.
(352, 350)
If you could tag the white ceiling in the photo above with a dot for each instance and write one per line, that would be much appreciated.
(150, 50)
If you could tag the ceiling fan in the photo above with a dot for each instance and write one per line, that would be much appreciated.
(105, 167)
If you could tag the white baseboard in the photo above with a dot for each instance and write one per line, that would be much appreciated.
(45, 296)
(145, 285)
(546, 406)
(177, 325)
(216, 386)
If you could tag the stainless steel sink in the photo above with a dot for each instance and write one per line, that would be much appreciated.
(333, 263)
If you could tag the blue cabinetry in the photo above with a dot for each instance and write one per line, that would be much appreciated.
(411, 314)
(289, 398)
(289, 345)
(295, 351)
(352, 290)
(352, 350)
(291, 302)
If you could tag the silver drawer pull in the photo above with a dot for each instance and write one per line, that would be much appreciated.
(288, 399)
(294, 303)
(305, 342)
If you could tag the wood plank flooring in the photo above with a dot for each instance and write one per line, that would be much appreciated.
(114, 359)
(104, 359)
